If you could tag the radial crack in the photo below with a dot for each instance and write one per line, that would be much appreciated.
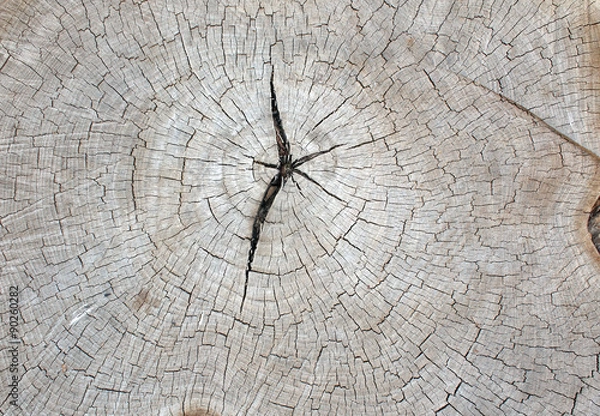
(286, 167)
(265, 205)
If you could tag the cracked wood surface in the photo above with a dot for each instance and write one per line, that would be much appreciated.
(453, 275)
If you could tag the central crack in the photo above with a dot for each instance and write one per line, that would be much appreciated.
(286, 167)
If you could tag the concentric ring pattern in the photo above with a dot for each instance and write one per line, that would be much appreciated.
(438, 261)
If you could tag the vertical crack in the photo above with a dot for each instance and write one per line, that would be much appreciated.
(286, 167)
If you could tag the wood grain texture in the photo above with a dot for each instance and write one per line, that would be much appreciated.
(453, 275)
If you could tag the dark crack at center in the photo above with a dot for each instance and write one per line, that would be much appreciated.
(285, 167)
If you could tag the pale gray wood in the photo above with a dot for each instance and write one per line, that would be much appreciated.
(457, 277)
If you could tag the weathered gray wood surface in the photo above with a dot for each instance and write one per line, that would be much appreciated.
(456, 277)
